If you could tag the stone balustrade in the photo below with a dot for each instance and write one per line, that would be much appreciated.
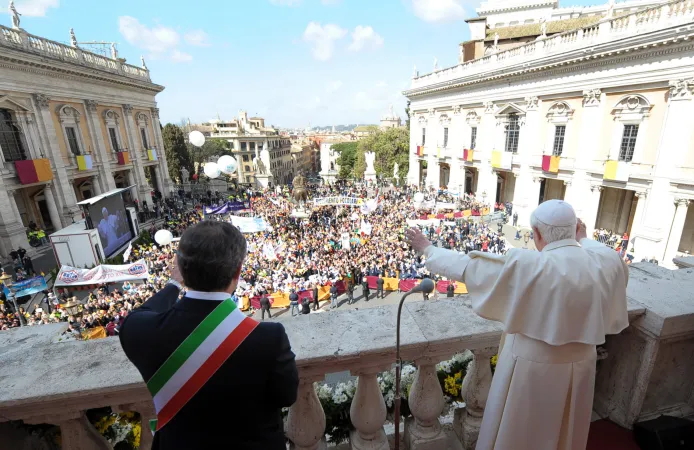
(592, 39)
(646, 372)
(20, 39)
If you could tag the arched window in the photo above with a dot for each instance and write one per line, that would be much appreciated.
(11, 138)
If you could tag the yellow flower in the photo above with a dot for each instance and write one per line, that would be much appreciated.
(495, 359)
(137, 431)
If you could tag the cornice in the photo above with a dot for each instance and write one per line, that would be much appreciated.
(41, 68)
(567, 62)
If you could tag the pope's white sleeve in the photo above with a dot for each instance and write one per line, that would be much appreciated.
(444, 262)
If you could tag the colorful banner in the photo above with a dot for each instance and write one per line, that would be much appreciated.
(459, 288)
(72, 276)
(438, 152)
(123, 158)
(33, 170)
(228, 207)
(84, 162)
(94, 333)
(27, 287)
(550, 163)
(502, 160)
(468, 155)
(419, 151)
(152, 155)
(616, 170)
(389, 284)
(339, 200)
(249, 224)
(496, 158)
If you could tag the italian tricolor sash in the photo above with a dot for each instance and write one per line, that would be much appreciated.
(198, 357)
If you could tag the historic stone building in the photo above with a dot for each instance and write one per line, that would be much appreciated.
(599, 115)
(73, 124)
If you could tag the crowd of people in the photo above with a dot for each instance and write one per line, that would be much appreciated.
(334, 243)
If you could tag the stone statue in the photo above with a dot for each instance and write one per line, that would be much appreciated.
(144, 66)
(415, 74)
(436, 64)
(333, 159)
(543, 26)
(114, 51)
(264, 163)
(15, 15)
(496, 40)
(610, 9)
(396, 168)
(299, 192)
(370, 158)
(185, 175)
(73, 39)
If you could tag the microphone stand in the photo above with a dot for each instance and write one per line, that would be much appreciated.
(398, 367)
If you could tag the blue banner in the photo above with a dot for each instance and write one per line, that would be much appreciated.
(228, 207)
(27, 287)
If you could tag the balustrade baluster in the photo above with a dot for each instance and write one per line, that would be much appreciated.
(368, 413)
(306, 419)
(423, 430)
(76, 432)
(475, 391)
(146, 412)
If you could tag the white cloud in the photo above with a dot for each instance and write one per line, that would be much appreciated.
(439, 10)
(157, 40)
(381, 84)
(365, 38)
(333, 86)
(179, 56)
(197, 38)
(286, 2)
(322, 39)
(35, 8)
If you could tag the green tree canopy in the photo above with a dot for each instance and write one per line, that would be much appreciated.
(348, 155)
(177, 156)
(391, 146)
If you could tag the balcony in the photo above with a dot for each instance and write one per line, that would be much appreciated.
(647, 371)
(603, 39)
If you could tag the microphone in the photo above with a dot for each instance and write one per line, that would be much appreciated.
(426, 286)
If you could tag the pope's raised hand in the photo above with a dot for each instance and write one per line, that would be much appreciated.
(416, 239)
(580, 230)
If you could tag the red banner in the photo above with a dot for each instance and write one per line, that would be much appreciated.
(546, 159)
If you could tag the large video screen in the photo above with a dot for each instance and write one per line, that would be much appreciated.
(111, 220)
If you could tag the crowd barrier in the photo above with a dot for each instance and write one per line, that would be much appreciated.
(281, 299)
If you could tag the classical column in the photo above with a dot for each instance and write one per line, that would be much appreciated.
(136, 153)
(637, 224)
(368, 414)
(592, 207)
(486, 179)
(525, 197)
(161, 185)
(167, 182)
(673, 242)
(475, 391)
(75, 431)
(101, 150)
(423, 430)
(305, 426)
(49, 194)
(49, 138)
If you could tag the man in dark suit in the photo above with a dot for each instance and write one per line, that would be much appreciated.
(315, 297)
(254, 380)
(365, 288)
(265, 307)
(379, 287)
(333, 296)
(450, 289)
(350, 292)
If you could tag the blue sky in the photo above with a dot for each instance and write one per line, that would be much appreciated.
(290, 61)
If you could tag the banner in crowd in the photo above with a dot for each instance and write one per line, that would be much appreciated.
(344, 237)
(249, 224)
(339, 200)
(445, 205)
(228, 207)
(72, 276)
(27, 287)
(428, 222)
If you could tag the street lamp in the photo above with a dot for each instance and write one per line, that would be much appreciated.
(72, 307)
(526, 238)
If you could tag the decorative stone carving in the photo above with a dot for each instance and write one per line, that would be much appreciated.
(640, 194)
(415, 74)
(127, 109)
(632, 107)
(681, 89)
(306, 419)
(91, 105)
(567, 182)
(114, 51)
(15, 15)
(67, 112)
(432, 112)
(444, 119)
(682, 202)
(597, 187)
(423, 430)
(559, 112)
(41, 100)
(111, 116)
(536, 179)
(489, 107)
(475, 391)
(73, 39)
(591, 97)
(142, 61)
(155, 112)
(472, 118)
(457, 109)
(436, 64)
(142, 117)
(422, 119)
(531, 103)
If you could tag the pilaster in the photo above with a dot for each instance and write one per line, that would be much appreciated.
(136, 153)
(102, 152)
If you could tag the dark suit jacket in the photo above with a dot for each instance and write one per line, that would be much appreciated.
(240, 406)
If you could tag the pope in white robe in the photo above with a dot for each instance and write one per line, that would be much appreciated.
(556, 305)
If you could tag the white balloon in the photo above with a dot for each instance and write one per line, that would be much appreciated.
(211, 170)
(418, 197)
(163, 237)
(196, 138)
(227, 164)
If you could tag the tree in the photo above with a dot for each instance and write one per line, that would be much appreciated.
(391, 146)
(210, 149)
(348, 155)
(407, 112)
(177, 156)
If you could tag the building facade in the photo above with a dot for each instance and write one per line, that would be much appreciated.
(598, 116)
(248, 137)
(73, 124)
(390, 120)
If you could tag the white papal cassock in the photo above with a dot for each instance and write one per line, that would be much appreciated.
(556, 306)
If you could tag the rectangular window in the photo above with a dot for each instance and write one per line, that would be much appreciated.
(243, 146)
(245, 158)
(72, 141)
(424, 136)
(143, 133)
(558, 147)
(445, 137)
(626, 150)
(512, 133)
(10, 138)
(114, 139)
(473, 138)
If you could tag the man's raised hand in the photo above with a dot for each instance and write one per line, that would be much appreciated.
(581, 232)
(416, 239)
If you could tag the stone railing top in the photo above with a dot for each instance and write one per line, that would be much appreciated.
(590, 39)
(21, 40)
(41, 376)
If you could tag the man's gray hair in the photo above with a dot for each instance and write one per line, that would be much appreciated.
(552, 233)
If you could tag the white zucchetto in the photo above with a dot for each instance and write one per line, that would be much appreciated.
(556, 213)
